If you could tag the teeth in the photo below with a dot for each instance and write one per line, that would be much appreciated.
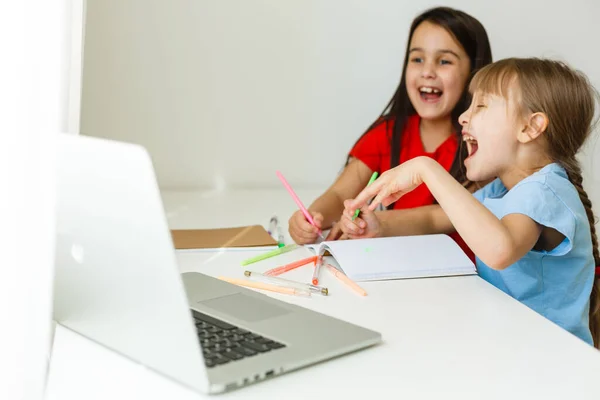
(468, 138)
(427, 89)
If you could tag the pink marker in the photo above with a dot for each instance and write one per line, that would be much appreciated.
(298, 202)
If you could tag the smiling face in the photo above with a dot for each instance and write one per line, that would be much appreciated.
(437, 71)
(490, 130)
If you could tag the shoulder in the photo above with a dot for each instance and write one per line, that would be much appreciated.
(550, 199)
(550, 183)
(378, 134)
(493, 189)
(383, 127)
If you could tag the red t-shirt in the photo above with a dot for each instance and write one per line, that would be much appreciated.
(374, 150)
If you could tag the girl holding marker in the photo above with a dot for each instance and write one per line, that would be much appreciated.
(445, 48)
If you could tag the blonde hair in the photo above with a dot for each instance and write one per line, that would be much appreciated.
(568, 100)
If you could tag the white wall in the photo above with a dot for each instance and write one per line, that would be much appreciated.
(226, 92)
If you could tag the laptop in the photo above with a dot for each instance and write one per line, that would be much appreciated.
(117, 283)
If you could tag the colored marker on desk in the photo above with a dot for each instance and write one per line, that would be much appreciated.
(266, 286)
(373, 177)
(270, 254)
(345, 280)
(286, 282)
(273, 225)
(317, 270)
(280, 237)
(275, 231)
(288, 267)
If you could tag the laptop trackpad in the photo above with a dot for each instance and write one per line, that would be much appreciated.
(245, 308)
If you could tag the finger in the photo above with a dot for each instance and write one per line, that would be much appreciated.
(333, 232)
(304, 225)
(349, 226)
(360, 222)
(307, 231)
(299, 232)
(309, 227)
(374, 203)
(367, 193)
(303, 231)
(361, 219)
(348, 213)
(352, 237)
(318, 218)
(338, 234)
(391, 199)
(306, 237)
(381, 195)
(299, 240)
(348, 206)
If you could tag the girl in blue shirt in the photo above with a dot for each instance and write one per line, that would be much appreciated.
(532, 228)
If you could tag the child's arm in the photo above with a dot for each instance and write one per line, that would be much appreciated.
(351, 181)
(329, 206)
(498, 243)
(424, 220)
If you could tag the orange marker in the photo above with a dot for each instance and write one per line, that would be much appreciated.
(291, 266)
(266, 286)
(347, 281)
(315, 277)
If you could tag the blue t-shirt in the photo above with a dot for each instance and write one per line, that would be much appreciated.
(556, 283)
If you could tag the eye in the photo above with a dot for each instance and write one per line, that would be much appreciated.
(480, 105)
(445, 62)
(416, 60)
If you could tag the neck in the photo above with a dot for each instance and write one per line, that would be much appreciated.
(513, 176)
(434, 132)
(441, 127)
(520, 170)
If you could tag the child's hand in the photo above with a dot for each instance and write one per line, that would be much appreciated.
(392, 184)
(366, 225)
(335, 233)
(301, 231)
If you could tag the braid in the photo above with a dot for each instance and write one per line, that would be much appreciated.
(595, 312)
(576, 178)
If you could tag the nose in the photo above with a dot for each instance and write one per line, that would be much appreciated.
(428, 70)
(463, 119)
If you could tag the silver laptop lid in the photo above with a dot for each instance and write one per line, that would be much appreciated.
(117, 280)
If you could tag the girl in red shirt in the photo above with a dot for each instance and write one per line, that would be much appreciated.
(445, 48)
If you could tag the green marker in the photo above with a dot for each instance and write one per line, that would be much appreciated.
(373, 177)
(270, 254)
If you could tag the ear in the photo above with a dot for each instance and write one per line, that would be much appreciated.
(536, 125)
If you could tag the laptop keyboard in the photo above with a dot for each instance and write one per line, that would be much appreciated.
(222, 342)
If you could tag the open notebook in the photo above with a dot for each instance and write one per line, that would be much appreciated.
(398, 257)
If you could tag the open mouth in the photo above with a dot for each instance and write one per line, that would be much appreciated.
(430, 93)
(471, 144)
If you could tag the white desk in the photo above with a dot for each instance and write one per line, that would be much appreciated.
(443, 338)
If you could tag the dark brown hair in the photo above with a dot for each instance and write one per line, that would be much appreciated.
(471, 35)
